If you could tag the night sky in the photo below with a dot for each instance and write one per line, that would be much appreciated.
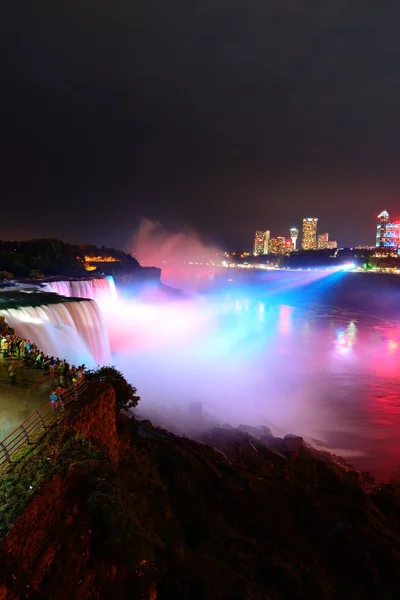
(222, 115)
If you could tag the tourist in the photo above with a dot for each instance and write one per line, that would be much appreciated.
(5, 348)
(54, 400)
(31, 357)
(46, 366)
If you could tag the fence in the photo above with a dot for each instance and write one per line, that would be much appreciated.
(38, 421)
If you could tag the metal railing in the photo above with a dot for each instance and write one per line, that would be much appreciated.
(38, 421)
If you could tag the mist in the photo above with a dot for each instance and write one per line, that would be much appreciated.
(246, 356)
(234, 357)
(154, 245)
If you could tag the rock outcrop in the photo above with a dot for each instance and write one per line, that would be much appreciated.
(136, 512)
(97, 420)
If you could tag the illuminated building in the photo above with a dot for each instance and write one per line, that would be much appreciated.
(277, 245)
(309, 238)
(324, 243)
(289, 245)
(261, 242)
(267, 235)
(387, 234)
(100, 259)
(89, 260)
(383, 220)
(323, 239)
(294, 234)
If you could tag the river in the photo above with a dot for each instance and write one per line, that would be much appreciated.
(319, 371)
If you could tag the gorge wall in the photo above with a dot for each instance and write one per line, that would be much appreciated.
(242, 515)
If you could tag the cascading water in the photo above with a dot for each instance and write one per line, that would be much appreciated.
(99, 289)
(71, 330)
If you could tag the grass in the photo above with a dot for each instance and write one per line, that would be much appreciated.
(34, 466)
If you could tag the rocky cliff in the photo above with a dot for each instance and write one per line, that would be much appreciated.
(120, 509)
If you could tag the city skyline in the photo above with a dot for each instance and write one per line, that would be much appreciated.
(387, 236)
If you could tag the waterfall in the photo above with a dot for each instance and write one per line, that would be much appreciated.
(71, 330)
(101, 290)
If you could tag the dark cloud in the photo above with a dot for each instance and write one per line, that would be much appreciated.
(216, 114)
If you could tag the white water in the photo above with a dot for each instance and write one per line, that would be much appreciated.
(101, 290)
(71, 330)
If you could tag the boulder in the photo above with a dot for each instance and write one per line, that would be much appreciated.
(293, 443)
(254, 431)
(265, 431)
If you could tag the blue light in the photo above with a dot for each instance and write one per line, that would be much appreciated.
(349, 266)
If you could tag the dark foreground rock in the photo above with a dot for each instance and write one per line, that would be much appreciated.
(131, 511)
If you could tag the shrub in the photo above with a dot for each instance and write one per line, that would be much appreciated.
(6, 275)
(125, 393)
(36, 274)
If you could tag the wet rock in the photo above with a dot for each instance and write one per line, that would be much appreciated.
(294, 443)
(147, 424)
(272, 451)
(261, 432)
(265, 431)
(277, 444)
(255, 431)
(146, 429)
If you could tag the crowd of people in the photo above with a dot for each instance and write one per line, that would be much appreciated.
(14, 347)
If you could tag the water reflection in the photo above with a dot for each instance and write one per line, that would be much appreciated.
(285, 319)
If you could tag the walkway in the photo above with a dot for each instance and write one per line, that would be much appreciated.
(21, 400)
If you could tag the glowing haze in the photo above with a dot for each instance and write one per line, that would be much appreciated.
(259, 356)
(317, 372)
(155, 246)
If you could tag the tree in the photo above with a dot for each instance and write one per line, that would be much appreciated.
(125, 393)
(6, 275)
(36, 274)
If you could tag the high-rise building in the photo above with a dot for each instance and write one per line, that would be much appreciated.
(294, 234)
(383, 220)
(277, 245)
(324, 243)
(323, 239)
(289, 247)
(309, 237)
(387, 234)
(267, 235)
(261, 242)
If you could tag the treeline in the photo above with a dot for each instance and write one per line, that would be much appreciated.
(52, 257)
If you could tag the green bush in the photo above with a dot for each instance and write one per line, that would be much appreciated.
(6, 275)
(125, 393)
(36, 274)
